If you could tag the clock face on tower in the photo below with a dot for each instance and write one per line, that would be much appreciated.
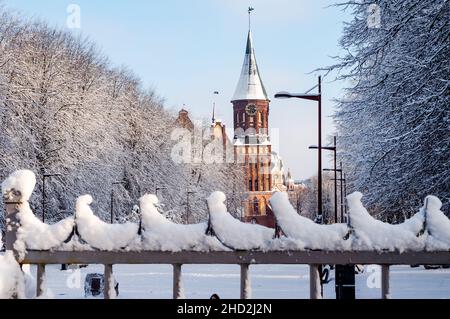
(250, 109)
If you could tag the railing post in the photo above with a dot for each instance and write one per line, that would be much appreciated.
(40, 280)
(385, 289)
(246, 288)
(314, 282)
(109, 292)
(12, 201)
(178, 292)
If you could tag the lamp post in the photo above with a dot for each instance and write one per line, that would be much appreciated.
(344, 274)
(112, 198)
(343, 186)
(334, 149)
(342, 191)
(157, 188)
(312, 97)
(44, 177)
(187, 205)
(340, 179)
(343, 183)
(345, 194)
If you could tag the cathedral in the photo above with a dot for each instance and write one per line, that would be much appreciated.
(263, 168)
(252, 144)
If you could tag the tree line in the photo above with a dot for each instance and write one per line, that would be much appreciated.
(394, 117)
(65, 109)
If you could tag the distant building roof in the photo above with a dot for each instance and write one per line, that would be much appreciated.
(184, 121)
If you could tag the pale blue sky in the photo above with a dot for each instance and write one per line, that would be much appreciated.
(188, 49)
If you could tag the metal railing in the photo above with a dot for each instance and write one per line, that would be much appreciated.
(242, 258)
(313, 258)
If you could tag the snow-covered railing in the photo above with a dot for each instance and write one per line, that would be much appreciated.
(85, 239)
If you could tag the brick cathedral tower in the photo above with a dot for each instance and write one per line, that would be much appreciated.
(251, 141)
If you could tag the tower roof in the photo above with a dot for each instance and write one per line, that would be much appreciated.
(250, 85)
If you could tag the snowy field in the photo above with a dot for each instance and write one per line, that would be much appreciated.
(268, 281)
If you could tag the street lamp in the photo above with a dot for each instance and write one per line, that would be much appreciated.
(341, 179)
(343, 182)
(344, 274)
(187, 205)
(44, 177)
(334, 149)
(345, 194)
(157, 188)
(112, 198)
(312, 97)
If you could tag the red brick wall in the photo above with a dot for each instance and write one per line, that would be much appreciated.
(257, 164)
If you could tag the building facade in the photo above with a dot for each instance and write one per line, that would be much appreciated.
(278, 177)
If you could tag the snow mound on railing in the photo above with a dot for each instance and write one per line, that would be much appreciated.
(99, 234)
(429, 229)
(437, 224)
(33, 234)
(232, 232)
(23, 181)
(159, 233)
(12, 282)
(313, 236)
(372, 234)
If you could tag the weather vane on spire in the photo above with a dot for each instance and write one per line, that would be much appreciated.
(250, 9)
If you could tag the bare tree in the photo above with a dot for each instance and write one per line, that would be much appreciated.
(393, 120)
(64, 109)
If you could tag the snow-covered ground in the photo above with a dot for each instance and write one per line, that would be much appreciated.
(268, 281)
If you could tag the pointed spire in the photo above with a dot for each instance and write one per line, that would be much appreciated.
(250, 85)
